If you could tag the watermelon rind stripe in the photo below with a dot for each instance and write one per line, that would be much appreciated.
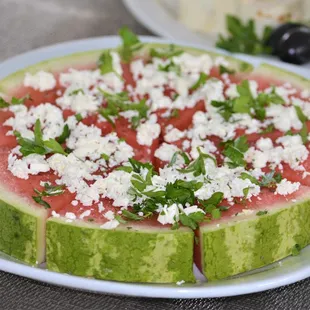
(22, 233)
(278, 74)
(255, 241)
(129, 255)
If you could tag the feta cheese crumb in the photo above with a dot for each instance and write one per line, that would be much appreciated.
(180, 282)
(286, 187)
(147, 132)
(41, 81)
(84, 214)
(70, 216)
(110, 225)
(55, 214)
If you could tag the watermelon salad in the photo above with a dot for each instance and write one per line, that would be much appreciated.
(131, 164)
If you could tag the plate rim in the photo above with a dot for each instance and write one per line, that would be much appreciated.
(216, 289)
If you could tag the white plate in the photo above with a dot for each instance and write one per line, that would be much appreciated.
(287, 271)
(160, 17)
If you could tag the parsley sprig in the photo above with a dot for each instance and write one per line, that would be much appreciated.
(170, 67)
(197, 167)
(49, 191)
(212, 205)
(120, 102)
(179, 192)
(243, 38)
(14, 101)
(234, 150)
(201, 81)
(38, 145)
(105, 64)
(166, 53)
(131, 44)
(246, 103)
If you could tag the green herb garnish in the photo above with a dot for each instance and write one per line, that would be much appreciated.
(270, 179)
(120, 102)
(201, 81)
(224, 69)
(76, 92)
(262, 212)
(170, 67)
(131, 44)
(14, 101)
(192, 220)
(166, 53)
(64, 135)
(197, 167)
(38, 146)
(49, 191)
(234, 151)
(243, 38)
(78, 117)
(175, 156)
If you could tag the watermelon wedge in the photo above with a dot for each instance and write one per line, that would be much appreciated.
(73, 231)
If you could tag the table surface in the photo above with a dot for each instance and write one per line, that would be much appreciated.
(28, 24)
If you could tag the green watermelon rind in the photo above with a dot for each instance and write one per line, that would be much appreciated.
(22, 233)
(278, 74)
(141, 254)
(254, 241)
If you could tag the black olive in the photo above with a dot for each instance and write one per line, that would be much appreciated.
(294, 46)
(277, 34)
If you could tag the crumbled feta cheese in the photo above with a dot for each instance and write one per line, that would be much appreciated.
(84, 214)
(70, 216)
(110, 224)
(55, 214)
(50, 116)
(109, 215)
(174, 135)
(169, 214)
(41, 81)
(284, 118)
(79, 103)
(166, 151)
(32, 164)
(192, 209)
(115, 186)
(147, 132)
(286, 187)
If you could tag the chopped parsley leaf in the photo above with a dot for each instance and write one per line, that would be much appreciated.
(243, 38)
(77, 91)
(262, 212)
(131, 44)
(234, 151)
(270, 179)
(171, 67)
(201, 81)
(78, 117)
(197, 167)
(175, 156)
(224, 69)
(64, 135)
(192, 220)
(166, 53)
(38, 146)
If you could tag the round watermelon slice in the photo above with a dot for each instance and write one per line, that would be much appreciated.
(143, 251)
